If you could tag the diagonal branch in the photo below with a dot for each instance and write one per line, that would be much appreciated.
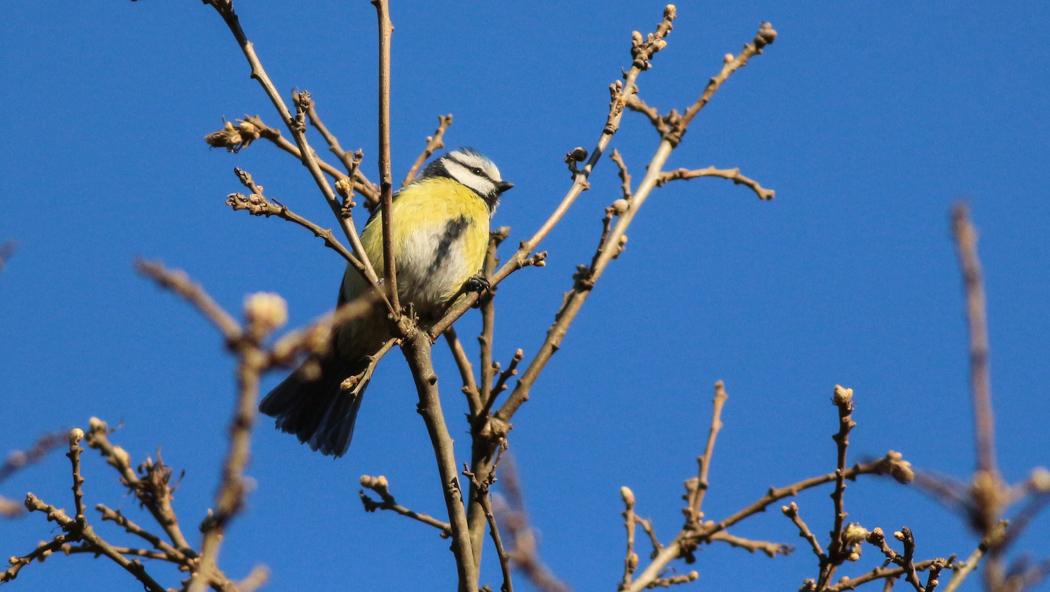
(642, 51)
(435, 142)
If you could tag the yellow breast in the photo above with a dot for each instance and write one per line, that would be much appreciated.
(440, 234)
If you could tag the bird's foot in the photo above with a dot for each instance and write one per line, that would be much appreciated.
(477, 283)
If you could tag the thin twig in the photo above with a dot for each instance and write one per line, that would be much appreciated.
(630, 561)
(169, 552)
(361, 183)
(892, 464)
(791, 511)
(297, 127)
(484, 440)
(704, 461)
(466, 371)
(381, 486)
(731, 174)
(434, 142)
(770, 548)
(586, 278)
(877, 574)
(152, 492)
(258, 205)
(642, 51)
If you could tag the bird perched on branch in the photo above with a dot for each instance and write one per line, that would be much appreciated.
(440, 230)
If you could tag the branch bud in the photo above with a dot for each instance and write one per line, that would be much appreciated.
(265, 312)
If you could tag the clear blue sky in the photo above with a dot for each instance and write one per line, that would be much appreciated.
(868, 120)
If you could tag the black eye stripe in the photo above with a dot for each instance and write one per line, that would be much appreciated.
(480, 173)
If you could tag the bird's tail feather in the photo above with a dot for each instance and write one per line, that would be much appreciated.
(318, 411)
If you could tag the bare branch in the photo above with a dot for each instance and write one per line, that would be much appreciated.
(361, 183)
(791, 511)
(258, 205)
(381, 486)
(642, 50)
(731, 174)
(180, 283)
(696, 500)
(434, 143)
(980, 382)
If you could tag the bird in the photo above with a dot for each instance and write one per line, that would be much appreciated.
(440, 231)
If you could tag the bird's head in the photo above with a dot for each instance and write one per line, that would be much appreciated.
(472, 169)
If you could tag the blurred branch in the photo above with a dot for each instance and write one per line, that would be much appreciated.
(18, 459)
(7, 249)
(980, 382)
(180, 283)
(513, 519)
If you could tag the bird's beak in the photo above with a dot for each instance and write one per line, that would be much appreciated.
(503, 186)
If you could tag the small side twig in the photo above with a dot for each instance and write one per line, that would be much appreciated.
(435, 142)
(259, 205)
(791, 511)
(349, 160)
(696, 500)
(381, 486)
(730, 174)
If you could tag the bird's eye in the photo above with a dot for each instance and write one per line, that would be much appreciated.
(476, 171)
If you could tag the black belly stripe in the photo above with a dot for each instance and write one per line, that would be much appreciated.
(453, 230)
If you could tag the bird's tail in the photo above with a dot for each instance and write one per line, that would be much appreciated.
(319, 412)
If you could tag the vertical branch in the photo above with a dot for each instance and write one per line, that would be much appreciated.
(297, 127)
(386, 183)
(483, 441)
(263, 313)
(416, 348)
(980, 382)
(488, 314)
(705, 461)
(630, 561)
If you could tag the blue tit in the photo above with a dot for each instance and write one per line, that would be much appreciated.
(440, 235)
